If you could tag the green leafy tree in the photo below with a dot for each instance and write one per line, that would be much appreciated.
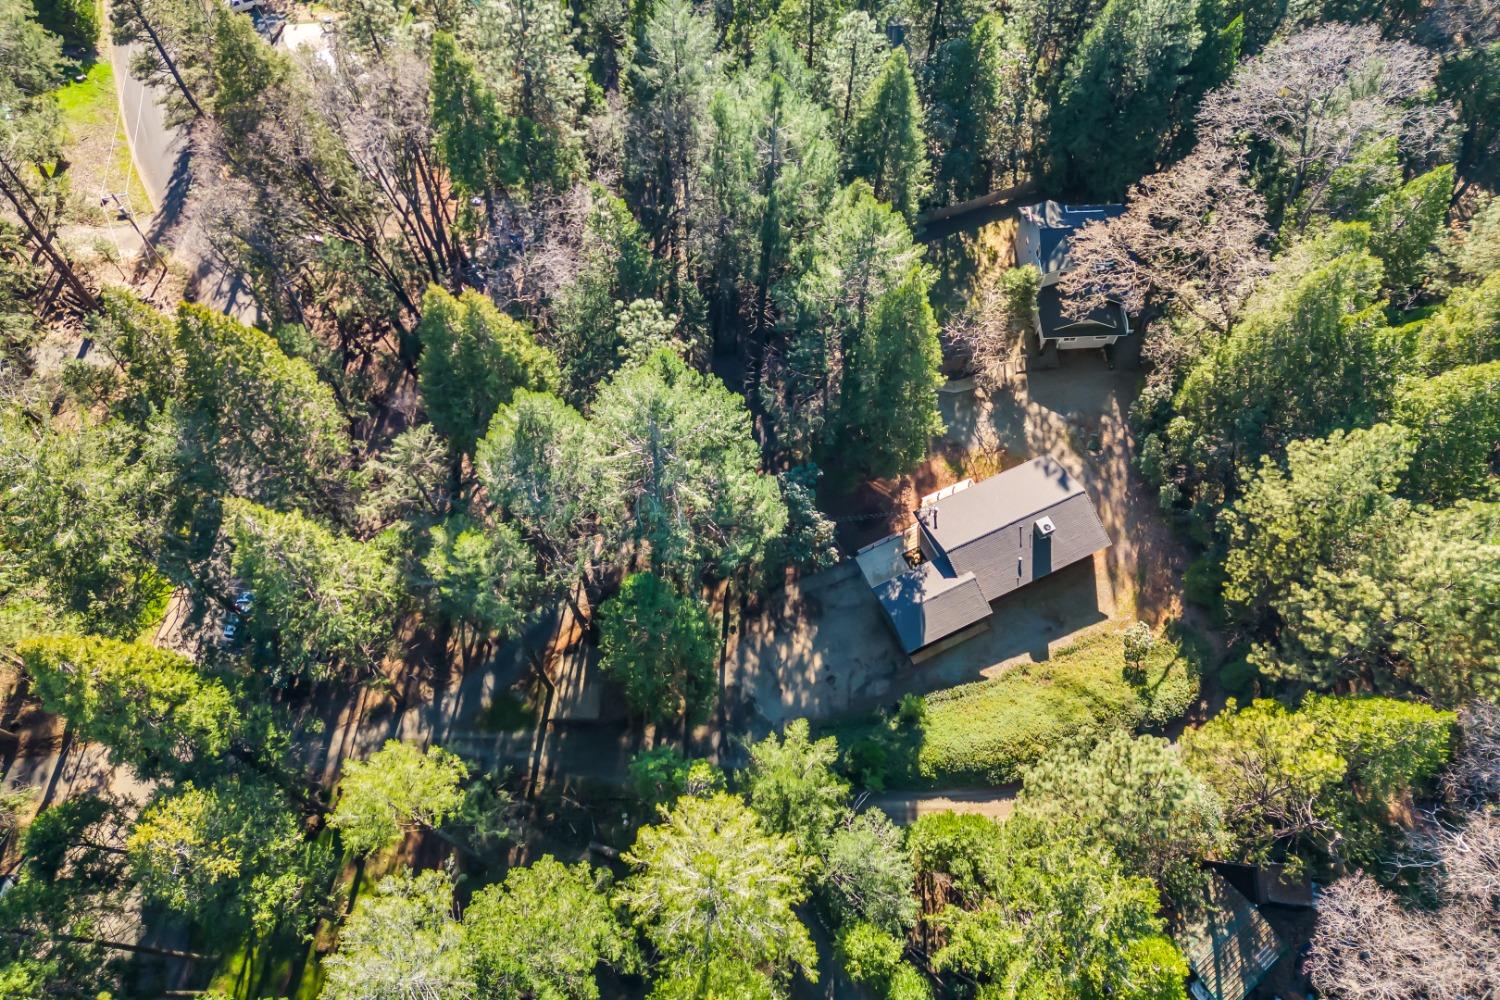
(861, 255)
(1310, 355)
(960, 98)
(82, 516)
(715, 894)
(231, 852)
(1063, 921)
(1292, 520)
(681, 472)
(792, 786)
(320, 600)
(1465, 330)
(771, 171)
(851, 61)
(538, 464)
(1136, 795)
(617, 267)
(259, 421)
(1469, 79)
(525, 52)
(173, 51)
(873, 956)
(408, 481)
(887, 146)
(868, 874)
(1408, 602)
(888, 412)
(1455, 420)
(474, 358)
(149, 707)
(482, 575)
(1319, 779)
(1138, 643)
(669, 86)
(402, 940)
(662, 775)
(74, 22)
(542, 933)
(1115, 108)
(396, 788)
(1405, 227)
(661, 646)
(956, 856)
(472, 134)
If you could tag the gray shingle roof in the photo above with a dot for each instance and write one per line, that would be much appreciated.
(990, 528)
(1228, 944)
(924, 605)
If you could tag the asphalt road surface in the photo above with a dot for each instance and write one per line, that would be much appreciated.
(163, 159)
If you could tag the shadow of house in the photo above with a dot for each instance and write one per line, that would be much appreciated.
(971, 544)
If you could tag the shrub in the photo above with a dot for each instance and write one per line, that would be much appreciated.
(989, 731)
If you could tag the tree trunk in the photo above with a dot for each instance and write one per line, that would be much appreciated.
(166, 59)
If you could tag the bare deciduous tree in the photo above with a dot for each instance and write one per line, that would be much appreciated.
(1316, 97)
(1474, 776)
(993, 325)
(1370, 946)
(1192, 235)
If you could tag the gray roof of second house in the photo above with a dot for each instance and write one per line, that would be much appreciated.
(1057, 323)
(990, 529)
(925, 605)
(1055, 221)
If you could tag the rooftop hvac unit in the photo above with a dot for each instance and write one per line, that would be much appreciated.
(1045, 527)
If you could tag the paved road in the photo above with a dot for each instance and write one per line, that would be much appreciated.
(155, 147)
(163, 159)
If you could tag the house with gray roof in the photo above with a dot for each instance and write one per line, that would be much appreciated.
(971, 544)
(1041, 239)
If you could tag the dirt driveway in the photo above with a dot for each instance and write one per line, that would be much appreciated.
(821, 647)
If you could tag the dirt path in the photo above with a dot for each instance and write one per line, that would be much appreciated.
(907, 807)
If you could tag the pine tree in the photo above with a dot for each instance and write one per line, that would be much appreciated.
(473, 136)
(1113, 116)
(524, 49)
(888, 147)
(474, 357)
(888, 411)
(669, 86)
(850, 63)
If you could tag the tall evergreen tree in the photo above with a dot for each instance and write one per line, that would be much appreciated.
(474, 137)
(525, 50)
(669, 86)
(772, 171)
(850, 63)
(474, 357)
(1113, 117)
(888, 147)
(888, 411)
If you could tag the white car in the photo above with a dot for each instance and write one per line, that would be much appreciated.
(240, 6)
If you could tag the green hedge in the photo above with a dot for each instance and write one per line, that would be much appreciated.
(990, 731)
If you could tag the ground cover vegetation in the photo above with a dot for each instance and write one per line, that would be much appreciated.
(568, 317)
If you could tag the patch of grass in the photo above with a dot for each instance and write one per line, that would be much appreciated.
(95, 137)
(988, 732)
(90, 101)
